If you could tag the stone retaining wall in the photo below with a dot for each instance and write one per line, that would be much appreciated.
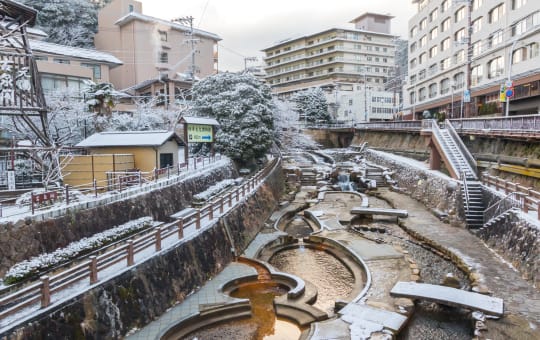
(136, 297)
(441, 194)
(26, 238)
(515, 239)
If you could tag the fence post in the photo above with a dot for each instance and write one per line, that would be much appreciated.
(198, 219)
(238, 194)
(525, 204)
(158, 238)
(244, 189)
(168, 172)
(130, 254)
(140, 179)
(67, 194)
(211, 211)
(120, 183)
(32, 202)
(155, 174)
(0, 209)
(45, 292)
(180, 228)
(220, 206)
(95, 187)
(230, 199)
(538, 211)
(93, 269)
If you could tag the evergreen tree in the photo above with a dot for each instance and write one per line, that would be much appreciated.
(243, 107)
(67, 22)
(312, 106)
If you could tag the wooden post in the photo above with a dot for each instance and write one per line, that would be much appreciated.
(538, 211)
(525, 204)
(158, 239)
(32, 202)
(180, 228)
(211, 211)
(120, 182)
(130, 254)
(198, 218)
(238, 194)
(95, 187)
(155, 175)
(230, 199)
(168, 172)
(45, 292)
(244, 189)
(93, 269)
(67, 194)
(220, 206)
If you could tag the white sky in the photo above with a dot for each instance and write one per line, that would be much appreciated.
(247, 26)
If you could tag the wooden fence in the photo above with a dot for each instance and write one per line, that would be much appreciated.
(44, 290)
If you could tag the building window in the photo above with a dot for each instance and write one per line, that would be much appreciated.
(496, 38)
(432, 90)
(445, 86)
(433, 33)
(162, 35)
(534, 50)
(96, 70)
(422, 58)
(460, 14)
(476, 48)
(423, 41)
(433, 69)
(495, 67)
(496, 13)
(165, 160)
(476, 4)
(163, 57)
(518, 3)
(433, 15)
(422, 94)
(41, 57)
(411, 97)
(350, 102)
(433, 51)
(445, 25)
(413, 63)
(445, 63)
(414, 30)
(61, 61)
(445, 6)
(460, 56)
(413, 47)
(130, 8)
(477, 25)
(422, 75)
(445, 44)
(519, 55)
(477, 73)
(460, 36)
(423, 24)
(459, 80)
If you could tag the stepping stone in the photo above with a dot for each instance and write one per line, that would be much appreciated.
(449, 296)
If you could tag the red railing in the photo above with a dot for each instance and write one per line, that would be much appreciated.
(91, 268)
(531, 198)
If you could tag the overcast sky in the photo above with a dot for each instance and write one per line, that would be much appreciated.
(247, 26)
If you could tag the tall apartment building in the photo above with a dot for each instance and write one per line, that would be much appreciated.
(348, 63)
(459, 45)
(153, 50)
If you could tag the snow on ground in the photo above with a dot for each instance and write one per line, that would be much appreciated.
(145, 254)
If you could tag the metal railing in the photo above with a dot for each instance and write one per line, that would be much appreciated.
(90, 269)
(465, 192)
(510, 201)
(516, 125)
(116, 182)
(406, 125)
(436, 133)
(531, 198)
(468, 156)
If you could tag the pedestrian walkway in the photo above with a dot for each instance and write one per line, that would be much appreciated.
(520, 297)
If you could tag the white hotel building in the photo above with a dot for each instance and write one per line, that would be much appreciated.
(352, 65)
(456, 45)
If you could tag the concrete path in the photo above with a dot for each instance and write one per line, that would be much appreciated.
(519, 296)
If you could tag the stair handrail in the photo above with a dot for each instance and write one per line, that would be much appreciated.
(436, 132)
(466, 153)
(514, 199)
(466, 192)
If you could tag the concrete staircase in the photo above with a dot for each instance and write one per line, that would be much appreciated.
(473, 201)
(308, 178)
(376, 175)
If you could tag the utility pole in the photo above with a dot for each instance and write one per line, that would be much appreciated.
(246, 59)
(469, 61)
(189, 20)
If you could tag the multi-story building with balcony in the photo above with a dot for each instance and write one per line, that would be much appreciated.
(459, 48)
(348, 63)
(158, 55)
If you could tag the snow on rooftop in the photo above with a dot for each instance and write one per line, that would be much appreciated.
(129, 138)
(77, 52)
(200, 120)
(134, 15)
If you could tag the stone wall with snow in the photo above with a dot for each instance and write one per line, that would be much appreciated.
(516, 238)
(26, 238)
(136, 297)
(440, 193)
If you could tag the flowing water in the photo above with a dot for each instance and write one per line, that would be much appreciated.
(332, 279)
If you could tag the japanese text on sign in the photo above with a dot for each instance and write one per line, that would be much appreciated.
(198, 133)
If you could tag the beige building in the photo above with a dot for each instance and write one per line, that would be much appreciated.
(348, 63)
(478, 46)
(152, 49)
